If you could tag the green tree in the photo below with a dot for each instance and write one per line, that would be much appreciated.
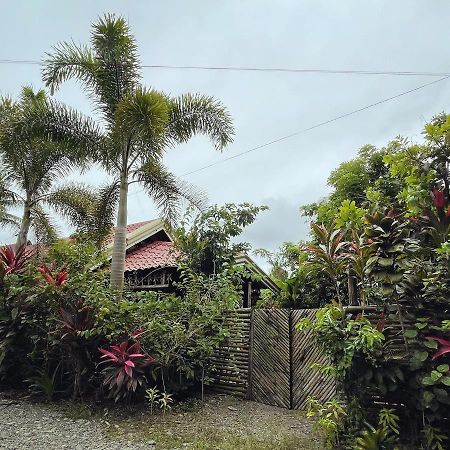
(360, 184)
(40, 142)
(140, 124)
(206, 240)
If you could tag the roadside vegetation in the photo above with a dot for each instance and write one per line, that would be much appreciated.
(376, 265)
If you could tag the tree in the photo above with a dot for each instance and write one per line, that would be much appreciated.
(140, 124)
(40, 142)
(359, 184)
(206, 240)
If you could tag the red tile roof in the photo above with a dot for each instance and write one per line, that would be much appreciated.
(130, 228)
(152, 255)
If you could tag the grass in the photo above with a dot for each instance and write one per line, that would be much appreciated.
(220, 424)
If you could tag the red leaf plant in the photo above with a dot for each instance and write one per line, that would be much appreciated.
(12, 261)
(444, 346)
(438, 198)
(58, 280)
(75, 318)
(125, 366)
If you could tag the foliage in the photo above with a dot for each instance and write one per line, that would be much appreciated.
(205, 240)
(41, 140)
(397, 263)
(53, 321)
(139, 124)
(124, 368)
(358, 186)
(329, 417)
(328, 254)
(383, 437)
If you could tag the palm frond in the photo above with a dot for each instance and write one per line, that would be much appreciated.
(90, 211)
(75, 202)
(167, 190)
(192, 114)
(143, 114)
(8, 220)
(44, 229)
(69, 60)
(107, 72)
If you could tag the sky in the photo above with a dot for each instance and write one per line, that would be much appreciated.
(405, 35)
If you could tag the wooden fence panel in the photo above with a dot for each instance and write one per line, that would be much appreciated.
(270, 357)
(228, 368)
(307, 382)
(267, 360)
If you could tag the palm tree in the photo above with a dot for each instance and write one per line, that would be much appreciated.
(140, 124)
(40, 142)
(90, 210)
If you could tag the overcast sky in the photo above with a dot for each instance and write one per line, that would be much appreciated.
(408, 35)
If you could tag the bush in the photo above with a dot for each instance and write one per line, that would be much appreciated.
(56, 313)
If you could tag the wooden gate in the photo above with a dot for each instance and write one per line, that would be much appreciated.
(307, 381)
(267, 360)
(270, 377)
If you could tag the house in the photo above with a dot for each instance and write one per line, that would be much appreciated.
(151, 262)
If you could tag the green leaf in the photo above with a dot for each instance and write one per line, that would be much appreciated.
(440, 393)
(385, 262)
(445, 380)
(421, 325)
(443, 368)
(410, 333)
(435, 375)
(428, 397)
(431, 344)
(14, 313)
(421, 356)
(427, 381)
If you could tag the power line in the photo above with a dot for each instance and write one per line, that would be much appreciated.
(312, 70)
(304, 130)
(320, 124)
(267, 69)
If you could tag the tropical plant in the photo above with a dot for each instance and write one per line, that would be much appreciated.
(328, 417)
(206, 239)
(165, 402)
(329, 254)
(140, 124)
(11, 260)
(124, 368)
(59, 279)
(41, 140)
(152, 395)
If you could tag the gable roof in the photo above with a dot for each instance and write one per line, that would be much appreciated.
(152, 255)
(150, 246)
(137, 232)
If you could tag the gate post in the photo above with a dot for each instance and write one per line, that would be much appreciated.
(250, 358)
(291, 375)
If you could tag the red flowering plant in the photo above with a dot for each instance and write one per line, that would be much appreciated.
(124, 369)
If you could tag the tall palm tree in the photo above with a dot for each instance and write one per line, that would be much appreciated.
(40, 141)
(140, 124)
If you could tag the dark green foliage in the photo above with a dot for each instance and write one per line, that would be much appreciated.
(399, 261)
(51, 326)
(206, 240)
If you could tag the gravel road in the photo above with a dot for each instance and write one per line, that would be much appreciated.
(219, 423)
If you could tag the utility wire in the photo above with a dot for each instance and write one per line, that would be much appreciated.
(304, 130)
(320, 124)
(266, 69)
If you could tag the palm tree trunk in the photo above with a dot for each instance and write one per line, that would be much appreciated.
(120, 239)
(22, 237)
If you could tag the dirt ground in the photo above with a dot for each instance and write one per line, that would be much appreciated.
(218, 423)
